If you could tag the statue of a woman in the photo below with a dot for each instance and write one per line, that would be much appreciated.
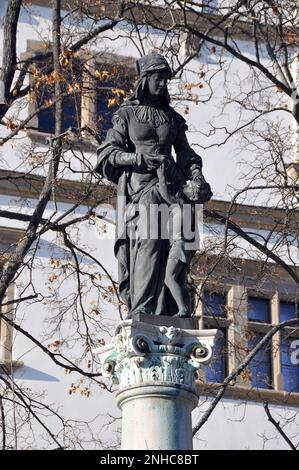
(136, 156)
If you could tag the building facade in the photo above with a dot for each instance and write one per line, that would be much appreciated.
(69, 273)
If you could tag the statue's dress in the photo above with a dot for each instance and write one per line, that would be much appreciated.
(145, 129)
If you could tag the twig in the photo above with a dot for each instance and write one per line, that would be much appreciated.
(15, 301)
(277, 426)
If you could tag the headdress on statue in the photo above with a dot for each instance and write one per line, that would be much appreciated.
(145, 66)
(151, 63)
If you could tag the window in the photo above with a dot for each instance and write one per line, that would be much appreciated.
(214, 304)
(258, 309)
(216, 370)
(260, 365)
(287, 311)
(92, 91)
(289, 338)
(259, 319)
(214, 316)
(242, 319)
(232, 304)
(71, 82)
(113, 85)
(289, 368)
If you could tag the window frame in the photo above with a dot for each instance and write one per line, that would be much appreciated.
(9, 237)
(6, 330)
(243, 387)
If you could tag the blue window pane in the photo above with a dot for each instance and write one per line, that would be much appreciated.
(264, 354)
(287, 311)
(113, 86)
(260, 375)
(290, 378)
(71, 103)
(104, 111)
(258, 309)
(289, 366)
(216, 370)
(285, 352)
(46, 119)
(71, 112)
(260, 365)
(214, 304)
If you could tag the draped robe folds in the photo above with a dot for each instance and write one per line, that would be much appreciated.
(145, 129)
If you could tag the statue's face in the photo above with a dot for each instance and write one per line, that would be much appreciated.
(157, 83)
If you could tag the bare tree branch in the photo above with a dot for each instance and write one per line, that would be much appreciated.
(277, 426)
(9, 49)
(262, 248)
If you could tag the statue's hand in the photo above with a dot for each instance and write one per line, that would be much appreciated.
(152, 162)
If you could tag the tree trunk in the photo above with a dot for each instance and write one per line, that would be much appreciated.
(9, 49)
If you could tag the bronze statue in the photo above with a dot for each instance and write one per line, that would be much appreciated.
(136, 156)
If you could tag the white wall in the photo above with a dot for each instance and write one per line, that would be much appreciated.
(243, 425)
(232, 425)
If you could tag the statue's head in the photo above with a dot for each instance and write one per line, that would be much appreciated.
(151, 63)
(154, 72)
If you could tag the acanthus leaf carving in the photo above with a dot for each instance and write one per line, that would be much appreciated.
(142, 353)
